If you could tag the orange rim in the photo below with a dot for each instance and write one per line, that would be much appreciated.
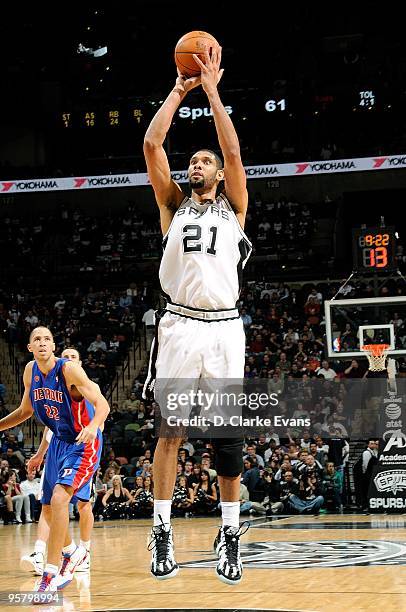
(375, 349)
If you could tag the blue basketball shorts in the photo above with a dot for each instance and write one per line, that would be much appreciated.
(73, 465)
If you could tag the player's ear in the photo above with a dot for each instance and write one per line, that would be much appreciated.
(29, 347)
(53, 347)
(220, 175)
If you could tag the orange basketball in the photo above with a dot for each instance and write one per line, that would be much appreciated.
(192, 42)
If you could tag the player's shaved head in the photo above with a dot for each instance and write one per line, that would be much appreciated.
(40, 331)
(71, 351)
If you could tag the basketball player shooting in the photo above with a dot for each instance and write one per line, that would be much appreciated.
(200, 333)
(75, 448)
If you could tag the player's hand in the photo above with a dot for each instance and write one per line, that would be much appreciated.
(88, 434)
(34, 462)
(184, 84)
(211, 72)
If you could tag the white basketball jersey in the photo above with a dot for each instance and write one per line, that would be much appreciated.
(205, 251)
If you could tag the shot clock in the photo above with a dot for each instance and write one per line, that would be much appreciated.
(374, 249)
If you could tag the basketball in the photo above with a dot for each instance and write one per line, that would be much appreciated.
(190, 43)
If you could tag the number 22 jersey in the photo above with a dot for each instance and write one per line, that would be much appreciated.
(54, 406)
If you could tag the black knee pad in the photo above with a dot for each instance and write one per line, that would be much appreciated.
(228, 456)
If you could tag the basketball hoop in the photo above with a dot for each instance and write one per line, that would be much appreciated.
(376, 354)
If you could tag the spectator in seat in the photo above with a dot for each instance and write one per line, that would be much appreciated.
(108, 477)
(246, 318)
(262, 445)
(194, 478)
(32, 487)
(276, 383)
(207, 465)
(13, 457)
(97, 345)
(12, 490)
(326, 371)
(283, 363)
(318, 454)
(272, 493)
(333, 484)
(354, 370)
(251, 476)
(204, 495)
(131, 405)
(116, 500)
(183, 497)
(251, 452)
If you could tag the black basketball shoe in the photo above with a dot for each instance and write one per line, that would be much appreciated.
(163, 564)
(227, 547)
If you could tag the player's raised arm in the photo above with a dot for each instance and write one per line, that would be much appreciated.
(168, 194)
(235, 179)
(25, 409)
(75, 375)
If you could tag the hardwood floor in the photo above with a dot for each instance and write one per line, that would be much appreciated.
(326, 564)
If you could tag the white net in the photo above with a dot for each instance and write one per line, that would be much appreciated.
(376, 354)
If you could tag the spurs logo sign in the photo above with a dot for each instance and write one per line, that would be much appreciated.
(304, 555)
(393, 480)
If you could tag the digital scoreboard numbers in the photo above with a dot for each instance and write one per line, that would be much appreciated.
(88, 119)
(114, 118)
(374, 249)
(66, 120)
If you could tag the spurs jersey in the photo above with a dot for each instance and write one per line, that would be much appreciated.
(205, 251)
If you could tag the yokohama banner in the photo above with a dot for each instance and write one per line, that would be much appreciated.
(360, 164)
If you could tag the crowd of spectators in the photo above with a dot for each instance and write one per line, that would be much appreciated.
(65, 239)
(101, 324)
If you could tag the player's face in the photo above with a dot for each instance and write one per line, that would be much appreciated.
(203, 172)
(72, 355)
(41, 344)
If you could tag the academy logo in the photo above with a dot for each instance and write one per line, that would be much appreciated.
(397, 439)
(306, 555)
(392, 480)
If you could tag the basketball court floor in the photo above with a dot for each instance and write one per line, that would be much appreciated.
(327, 563)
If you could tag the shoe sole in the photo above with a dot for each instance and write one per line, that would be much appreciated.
(27, 566)
(172, 574)
(62, 586)
(227, 580)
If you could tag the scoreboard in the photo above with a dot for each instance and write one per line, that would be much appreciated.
(111, 117)
(268, 105)
(374, 249)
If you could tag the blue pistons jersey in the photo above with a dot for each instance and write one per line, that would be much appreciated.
(67, 463)
(54, 406)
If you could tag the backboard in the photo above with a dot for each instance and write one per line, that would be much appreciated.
(355, 322)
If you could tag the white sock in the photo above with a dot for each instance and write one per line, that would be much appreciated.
(40, 547)
(85, 544)
(230, 513)
(68, 550)
(162, 508)
(51, 569)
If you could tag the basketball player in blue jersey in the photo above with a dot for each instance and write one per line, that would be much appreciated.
(74, 558)
(201, 334)
(76, 444)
